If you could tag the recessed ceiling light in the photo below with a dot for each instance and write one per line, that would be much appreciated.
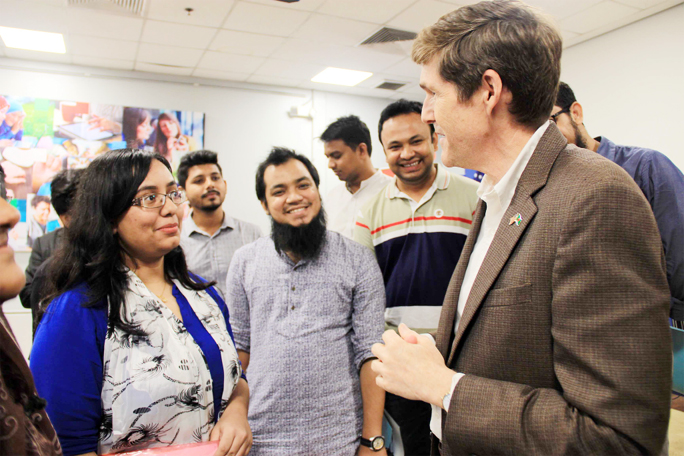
(340, 76)
(33, 40)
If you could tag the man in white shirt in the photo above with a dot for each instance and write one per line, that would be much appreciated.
(553, 338)
(348, 147)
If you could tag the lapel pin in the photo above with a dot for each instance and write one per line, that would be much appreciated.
(517, 219)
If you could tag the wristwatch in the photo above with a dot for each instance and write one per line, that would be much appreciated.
(376, 443)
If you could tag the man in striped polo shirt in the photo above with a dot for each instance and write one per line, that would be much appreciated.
(417, 227)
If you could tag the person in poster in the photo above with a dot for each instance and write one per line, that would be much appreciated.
(170, 142)
(39, 219)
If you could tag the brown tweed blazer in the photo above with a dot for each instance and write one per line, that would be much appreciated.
(564, 338)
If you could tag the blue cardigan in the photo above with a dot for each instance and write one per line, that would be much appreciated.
(66, 361)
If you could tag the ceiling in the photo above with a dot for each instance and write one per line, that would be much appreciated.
(272, 42)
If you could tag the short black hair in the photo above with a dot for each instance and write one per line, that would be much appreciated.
(399, 108)
(351, 130)
(39, 199)
(278, 156)
(565, 97)
(63, 189)
(198, 157)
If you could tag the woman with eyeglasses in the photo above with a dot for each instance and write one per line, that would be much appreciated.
(133, 351)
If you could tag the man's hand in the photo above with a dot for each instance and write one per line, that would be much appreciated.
(365, 451)
(409, 365)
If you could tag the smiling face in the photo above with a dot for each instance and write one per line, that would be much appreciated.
(459, 125)
(149, 234)
(42, 212)
(169, 128)
(344, 161)
(12, 277)
(409, 147)
(144, 130)
(205, 187)
(292, 197)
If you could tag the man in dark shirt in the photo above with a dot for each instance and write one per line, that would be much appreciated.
(661, 182)
(63, 190)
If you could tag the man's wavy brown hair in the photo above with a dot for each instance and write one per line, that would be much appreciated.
(522, 46)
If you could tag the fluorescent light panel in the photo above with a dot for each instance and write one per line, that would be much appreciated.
(340, 76)
(33, 40)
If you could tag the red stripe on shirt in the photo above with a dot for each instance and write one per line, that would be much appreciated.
(362, 225)
(456, 219)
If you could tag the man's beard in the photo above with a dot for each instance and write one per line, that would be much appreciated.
(303, 241)
(579, 140)
(208, 206)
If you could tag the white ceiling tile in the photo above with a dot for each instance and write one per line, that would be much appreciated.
(413, 89)
(223, 75)
(168, 55)
(101, 47)
(375, 93)
(324, 87)
(560, 9)
(359, 59)
(245, 43)
(230, 62)
(302, 5)
(406, 68)
(273, 80)
(85, 22)
(152, 68)
(420, 15)
(255, 18)
(209, 13)
(293, 70)
(376, 11)
(334, 29)
(641, 4)
(597, 16)
(182, 35)
(103, 62)
(36, 55)
(33, 16)
(297, 50)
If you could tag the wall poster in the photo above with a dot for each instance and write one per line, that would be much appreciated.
(40, 137)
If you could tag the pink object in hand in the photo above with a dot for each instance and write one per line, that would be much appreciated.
(188, 449)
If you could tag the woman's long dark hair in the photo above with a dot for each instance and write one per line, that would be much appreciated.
(91, 252)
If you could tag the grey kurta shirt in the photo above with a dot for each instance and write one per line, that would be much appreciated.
(308, 328)
(209, 256)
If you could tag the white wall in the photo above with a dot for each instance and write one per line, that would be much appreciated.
(631, 83)
(242, 124)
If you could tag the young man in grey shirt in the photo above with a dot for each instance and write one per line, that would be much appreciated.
(306, 306)
(209, 236)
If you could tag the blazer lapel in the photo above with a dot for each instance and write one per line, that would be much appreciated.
(508, 234)
(447, 316)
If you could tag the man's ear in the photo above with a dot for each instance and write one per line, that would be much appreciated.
(577, 113)
(265, 207)
(492, 90)
(362, 149)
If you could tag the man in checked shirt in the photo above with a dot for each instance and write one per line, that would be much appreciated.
(210, 237)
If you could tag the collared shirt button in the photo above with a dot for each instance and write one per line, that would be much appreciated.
(292, 308)
(293, 288)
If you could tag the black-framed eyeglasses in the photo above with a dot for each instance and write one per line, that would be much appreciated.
(553, 117)
(157, 200)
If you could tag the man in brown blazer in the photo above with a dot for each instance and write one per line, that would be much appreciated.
(553, 338)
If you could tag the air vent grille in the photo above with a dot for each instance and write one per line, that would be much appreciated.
(391, 85)
(388, 35)
(135, 7)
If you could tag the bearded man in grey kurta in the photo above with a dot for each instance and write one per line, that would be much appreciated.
(306, 306)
